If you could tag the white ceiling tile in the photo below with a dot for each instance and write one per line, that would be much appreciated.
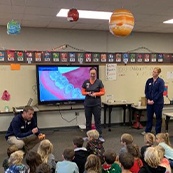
(149, 15)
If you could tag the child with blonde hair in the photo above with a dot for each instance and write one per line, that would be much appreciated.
(126, 139)
(93, 164)
(163, 140)
(11, 149)
(15, 163)
(45, 149)
(149, 140)
(94, 145)
(152, 162)
(164, 161)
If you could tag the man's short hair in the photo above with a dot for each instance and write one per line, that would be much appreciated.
(27, 108)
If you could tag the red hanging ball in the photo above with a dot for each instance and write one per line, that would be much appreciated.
(73, 15)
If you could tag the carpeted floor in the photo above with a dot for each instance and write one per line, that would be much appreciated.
(62, 138)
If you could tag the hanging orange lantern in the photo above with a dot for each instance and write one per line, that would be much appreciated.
(73, 15)
(121, 22)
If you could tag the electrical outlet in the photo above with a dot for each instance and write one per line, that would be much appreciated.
(76, 113)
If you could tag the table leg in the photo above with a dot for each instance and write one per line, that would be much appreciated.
(105, 108)
(110, 111)
(130, 115)
(124, 115)
(166, 123)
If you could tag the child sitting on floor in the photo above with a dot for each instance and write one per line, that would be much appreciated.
(126, 160)
(15, 163)
(149, 140)
(133, 149)
(164, 161)
(67, 166)
(94, 145)
(93, 164)
(126, 139)
(11, 149)
(81, 153)
(163, 140)
(152, 162)
(45, 149)
(110, 166)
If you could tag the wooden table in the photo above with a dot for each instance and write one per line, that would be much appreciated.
(167, 115)
(137, 109)
(124, 105)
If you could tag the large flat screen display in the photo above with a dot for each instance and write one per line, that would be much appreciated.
(61, 83)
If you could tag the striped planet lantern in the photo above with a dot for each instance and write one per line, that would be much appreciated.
(121, 22)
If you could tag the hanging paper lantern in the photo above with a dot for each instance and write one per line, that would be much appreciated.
(13, 27)
(73, 15)
(121, 22)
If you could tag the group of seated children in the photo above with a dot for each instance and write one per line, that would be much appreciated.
(156, 156)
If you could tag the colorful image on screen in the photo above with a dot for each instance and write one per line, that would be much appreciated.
(61, 83)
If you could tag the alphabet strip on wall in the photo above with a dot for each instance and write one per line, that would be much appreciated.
(38, 57)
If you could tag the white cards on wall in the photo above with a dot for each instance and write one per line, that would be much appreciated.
(111, 71)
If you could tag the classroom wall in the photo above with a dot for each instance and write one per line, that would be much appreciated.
(130, 78)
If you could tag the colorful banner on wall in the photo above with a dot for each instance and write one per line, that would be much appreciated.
(37, 57)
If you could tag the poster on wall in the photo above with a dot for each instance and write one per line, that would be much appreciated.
(103, 57)
(2, 56)
(80, 57)
(29, 56)
(55, 56)
(111, 71)
(72, 57)
(96, 57)
(10, 56)
(47, 57)
(20, 57)
(38, 57)
(63, 57)
(88, 57)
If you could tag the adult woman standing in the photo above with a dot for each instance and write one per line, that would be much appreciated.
(93, 89)
(154, 89)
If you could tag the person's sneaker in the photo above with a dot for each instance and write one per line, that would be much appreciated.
(101, 139)
(85, 138)
(143, 133)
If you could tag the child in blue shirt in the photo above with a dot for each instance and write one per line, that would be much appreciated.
(67, 165)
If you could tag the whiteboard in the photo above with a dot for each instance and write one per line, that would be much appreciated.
(131, 79)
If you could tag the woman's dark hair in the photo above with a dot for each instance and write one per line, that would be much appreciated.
(93, 68)
(33, 160)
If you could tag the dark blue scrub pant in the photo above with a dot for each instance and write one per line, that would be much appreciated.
(96, 111)
(151, 109)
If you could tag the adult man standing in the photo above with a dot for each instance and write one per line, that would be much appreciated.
(23, 131)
